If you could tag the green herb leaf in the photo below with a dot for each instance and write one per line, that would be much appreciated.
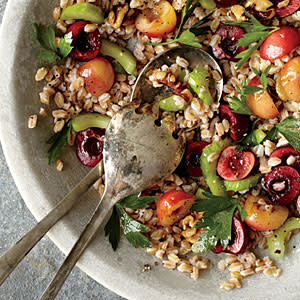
(272, 134)
(240, 105)
(242, 211)
(133, 229)
(244, 55)
(57, 142)
(44, 36)
(136, 202)
(112, 229)
(65, 45)
(217, 219)
(189, 38)
(255, 137)
(256, 33)
(188, 10)
(47, 56)
(263, 77)
(290, 129)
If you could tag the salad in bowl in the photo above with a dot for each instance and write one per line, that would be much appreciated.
(237, 186)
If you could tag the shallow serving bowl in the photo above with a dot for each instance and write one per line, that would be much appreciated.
(42, 186)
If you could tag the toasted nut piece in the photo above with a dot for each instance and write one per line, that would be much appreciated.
(115, 20)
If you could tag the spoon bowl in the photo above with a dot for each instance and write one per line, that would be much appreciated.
(144, 91)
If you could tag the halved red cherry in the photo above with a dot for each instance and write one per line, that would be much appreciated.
(157, 22)
(286, 152)
(233, 165)
(239, 239)
(287, 10)
(86, 44)
(98, 76)
(290, 79)
(193, 157)
(282, 184)
(89, 146)
(267, 14)
(261, 103)
(226, 3)
(280, 43)
(263, 215)
(173, 206)
(229, 36)
(239, 124)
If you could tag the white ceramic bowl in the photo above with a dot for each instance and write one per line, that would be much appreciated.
(42, 186)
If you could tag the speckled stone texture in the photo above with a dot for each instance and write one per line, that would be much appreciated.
(33, 274)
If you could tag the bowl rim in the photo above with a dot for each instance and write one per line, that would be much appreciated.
(120, 285)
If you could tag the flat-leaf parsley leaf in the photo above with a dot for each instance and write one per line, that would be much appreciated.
(44, 36)
(217, 220)
(188, 36)
(290, 129)
(136, 202)
(132, 229)
(256, 34)
(57, 142)
(239, 105)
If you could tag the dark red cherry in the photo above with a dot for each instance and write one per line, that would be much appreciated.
(239, 239)
(239, 124)
(292, 7)
(226, 3)
(282, 184)
(89, 146)
(284, 153)
(86, 44)
(261, 15)
(229, 36)
(235, 166)
(193, 156)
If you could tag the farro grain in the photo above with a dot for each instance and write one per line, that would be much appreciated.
(32, 121)
(59, 165)
(41, 74)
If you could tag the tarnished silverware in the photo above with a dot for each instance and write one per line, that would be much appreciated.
(137, 154)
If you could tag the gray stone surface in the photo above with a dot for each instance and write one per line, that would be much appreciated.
(34, 273)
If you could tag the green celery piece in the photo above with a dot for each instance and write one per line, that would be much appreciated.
(87, 120)
(200, 85)
(83, 11)
(276, 243)
(241, 185)
(199, 193)
(120, 54)
(182, 75)
(208, 4)
(260, 135)
(169, 104)
(209, 169)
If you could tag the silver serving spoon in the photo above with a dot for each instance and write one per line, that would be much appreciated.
(137, 154)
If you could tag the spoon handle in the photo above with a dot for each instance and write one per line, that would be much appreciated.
(85, 238)
(16, 253)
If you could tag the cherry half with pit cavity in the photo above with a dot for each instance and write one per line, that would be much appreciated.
(193, 157)
(239, 241)
(89, 146)
(286, 152)
(282, 184)
(234, 166)
(86, 44)
(229, 36)
(239, 124)
(287, 10)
